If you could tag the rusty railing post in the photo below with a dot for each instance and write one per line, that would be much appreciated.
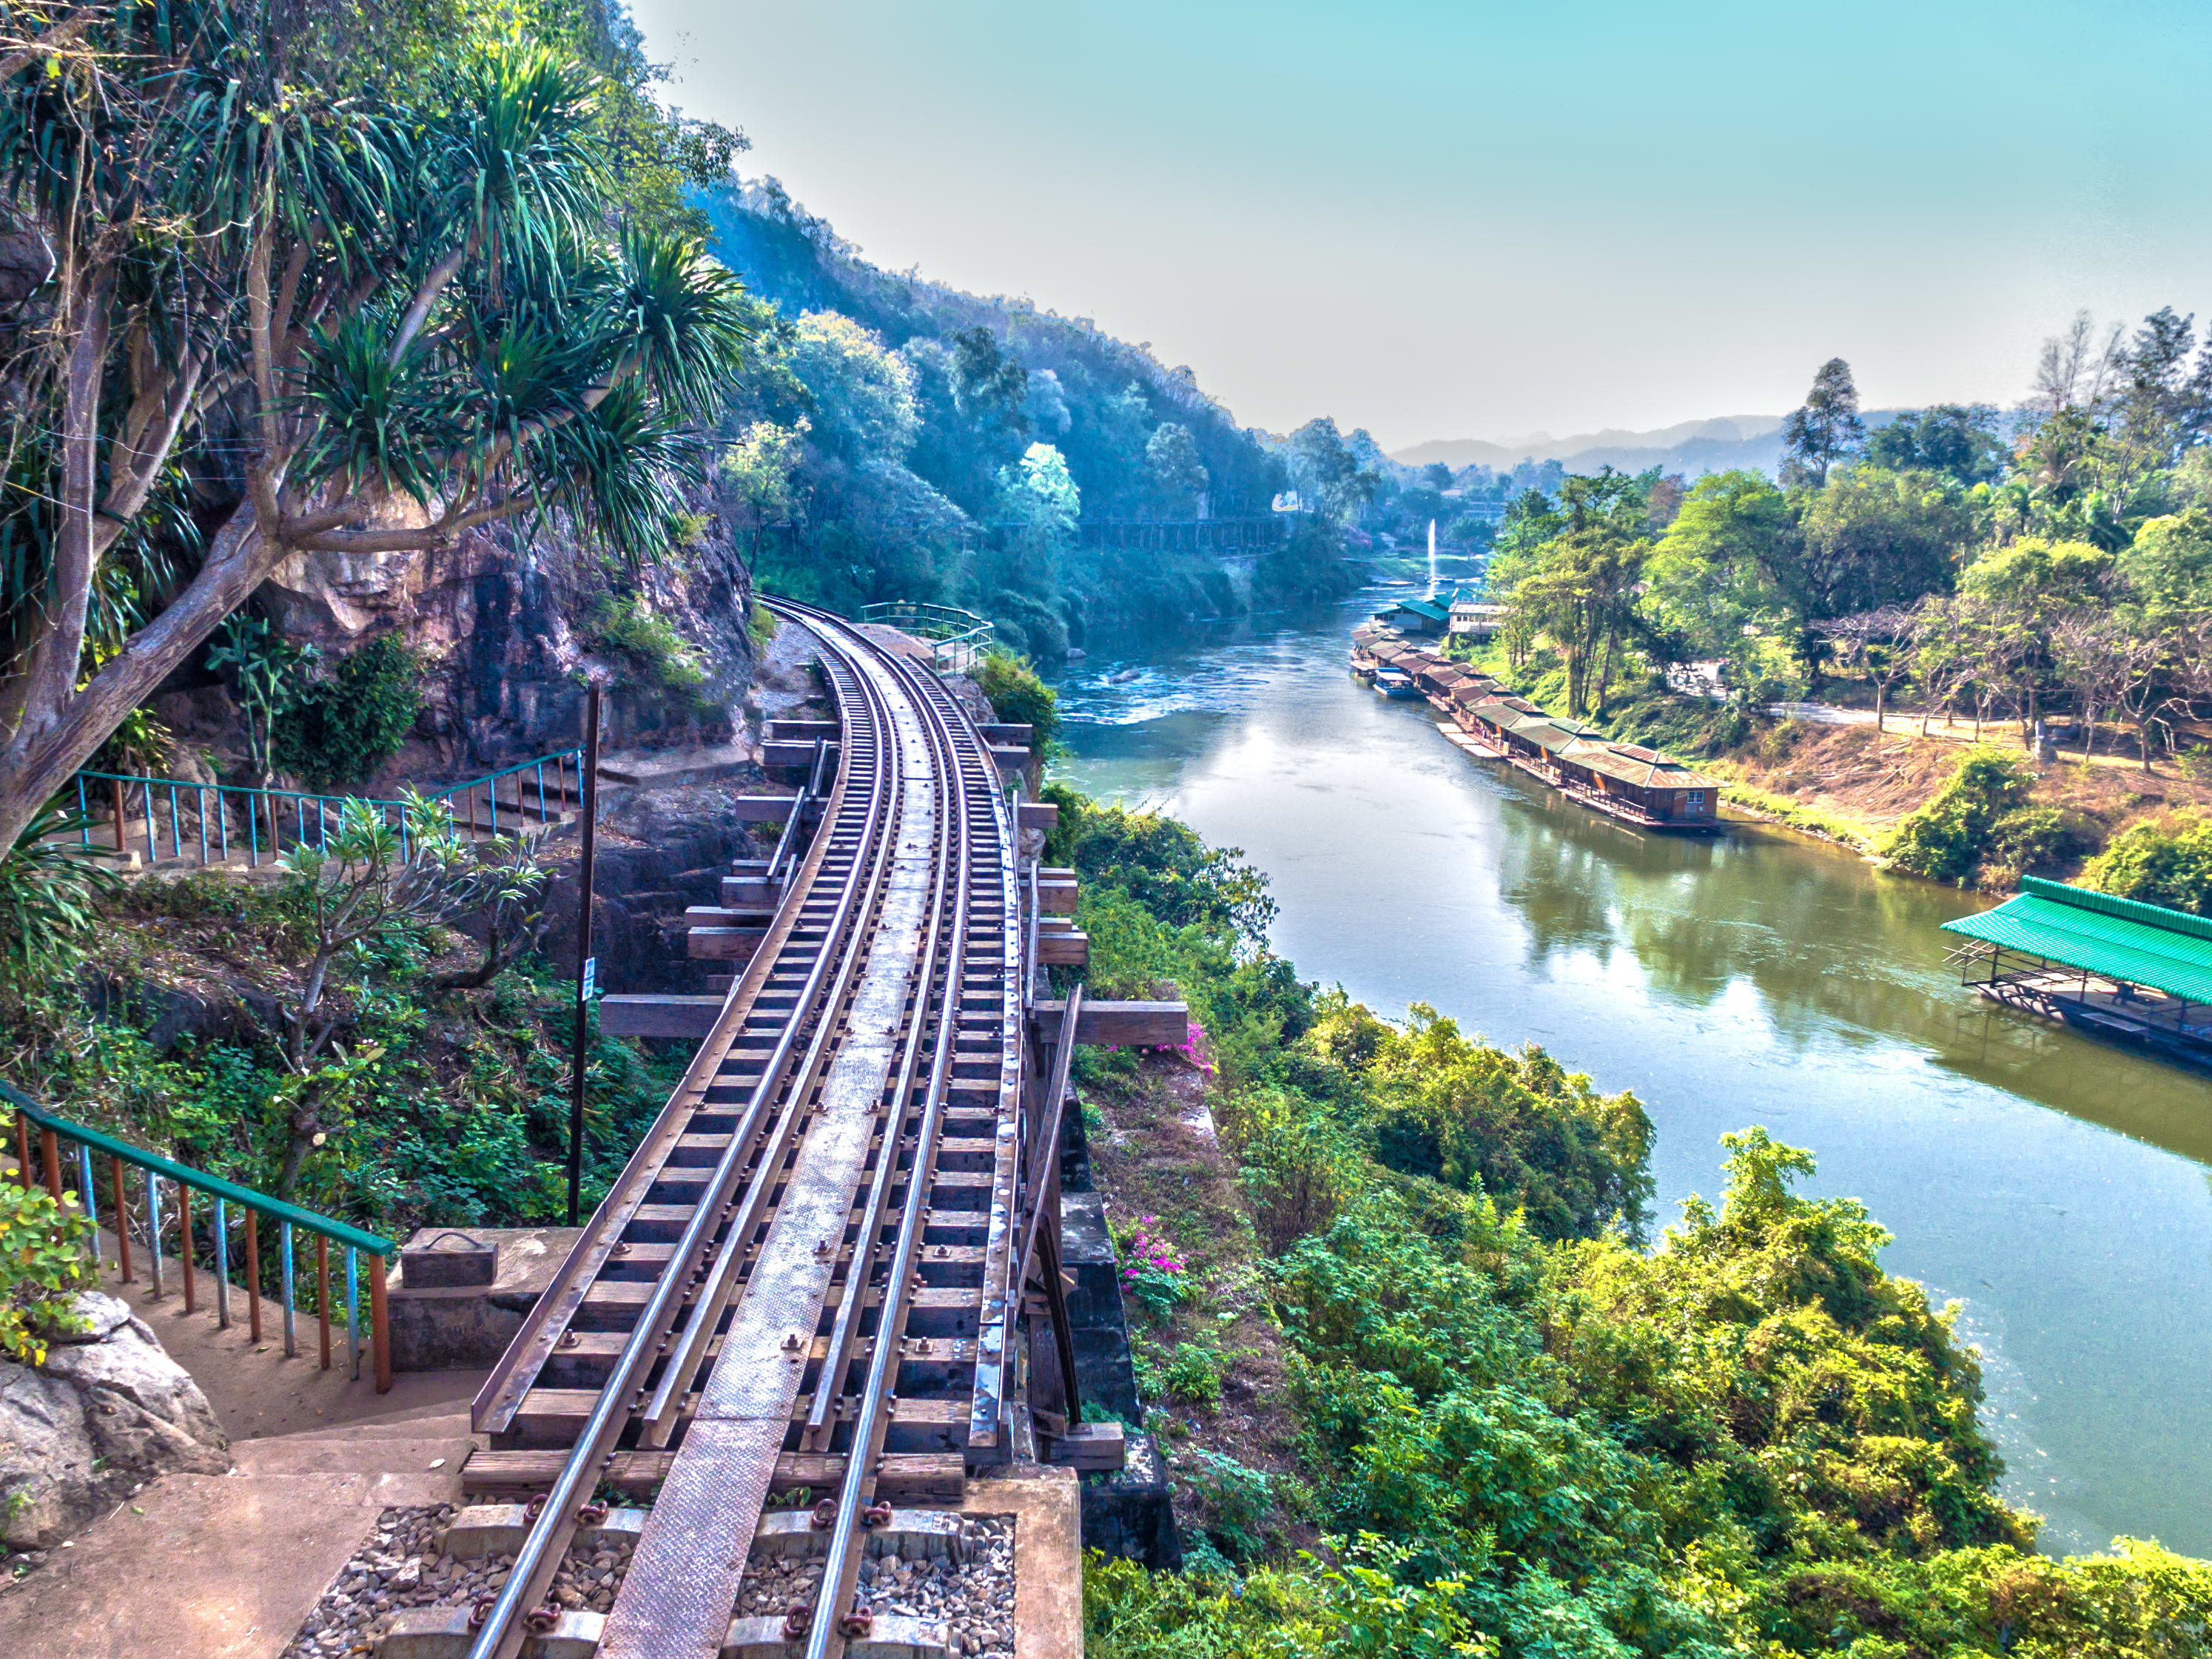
(50, 1154)
(380, 1325)
(121, 1223)
(185, 1243)
(116, 785)
(253, 1274)
(23, 1149)
(323, 1295)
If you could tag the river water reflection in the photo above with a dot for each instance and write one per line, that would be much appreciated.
(2055, 1188)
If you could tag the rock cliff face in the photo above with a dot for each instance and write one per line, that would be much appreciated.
(503, 620)
(108, 1410)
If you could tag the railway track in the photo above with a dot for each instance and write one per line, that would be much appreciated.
(811, 1273)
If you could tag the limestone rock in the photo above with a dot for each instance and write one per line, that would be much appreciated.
(108, 1410)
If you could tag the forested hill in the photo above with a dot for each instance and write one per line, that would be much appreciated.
(899, 439)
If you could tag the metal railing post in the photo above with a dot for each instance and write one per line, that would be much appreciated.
(154, 1234)
(221, 1265)
(185, 1242)
(121, 1222)
(84, 1191)
(291, 1340)
(23, 1149)
(254, 1275)
(323, 1296)
(50, 1159)
(380, 1325)
(352, 1309)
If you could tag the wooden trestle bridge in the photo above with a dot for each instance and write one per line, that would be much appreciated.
(832, 1264)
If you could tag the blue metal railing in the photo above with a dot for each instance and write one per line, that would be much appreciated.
(222, 815)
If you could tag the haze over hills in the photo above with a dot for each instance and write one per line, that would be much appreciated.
(1691, 446)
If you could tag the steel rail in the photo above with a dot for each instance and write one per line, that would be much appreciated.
(830, 1382)
(503, 1633)
(688, 1347)
(825, 1634)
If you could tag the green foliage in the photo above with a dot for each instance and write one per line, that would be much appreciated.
(1193, 1376)
(1161, 865)
(51, 885)
(268, 677)
(338, 732)
(2163, 861)
(1751, 1440)
(1947, 838)
(46, 1257)
(1019, 697)
(1479, 1119)
(628, 625)
(2039, 840)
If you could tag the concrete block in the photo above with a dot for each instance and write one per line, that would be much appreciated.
(917, 1534)
(619, 1530)
(897, 1638)
(439, 1328)
(893, 1637)
(574, 1636)
(760, 1639)
(486, 1529)
(427, 1633)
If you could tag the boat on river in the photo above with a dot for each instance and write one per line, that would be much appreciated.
(1394, 683)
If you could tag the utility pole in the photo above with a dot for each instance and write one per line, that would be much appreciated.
(586, 964)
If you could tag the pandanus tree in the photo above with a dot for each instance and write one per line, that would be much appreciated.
(260, 321)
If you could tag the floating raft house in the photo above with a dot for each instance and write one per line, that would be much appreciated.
(2119, 967)
(1636, 785)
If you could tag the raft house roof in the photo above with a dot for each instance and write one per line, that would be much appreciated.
(1549, 735)
(1424, 608)
(1632, 763)
(2118, 939)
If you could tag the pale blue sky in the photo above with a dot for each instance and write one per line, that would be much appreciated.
(1478, 221)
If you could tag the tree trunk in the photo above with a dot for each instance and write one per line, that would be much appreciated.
(52, 744)
(303, 1128)
(1881, 692)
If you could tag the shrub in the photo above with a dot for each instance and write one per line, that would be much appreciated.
(1237, 1499)
(1151, 1269)
(2163, 861)
(1194, 1376)
(633, 629)
(1020, 697)
(49, 885)
(342, 729)
(761, 622)
(2034, 839)
(45, 1257)
(1950, 835)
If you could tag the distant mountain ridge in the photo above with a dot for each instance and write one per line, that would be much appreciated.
(1691, 447)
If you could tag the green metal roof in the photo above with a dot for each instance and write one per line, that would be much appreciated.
(1421, 608)
(2170, 950)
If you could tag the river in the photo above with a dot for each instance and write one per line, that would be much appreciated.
(2059, 1190)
